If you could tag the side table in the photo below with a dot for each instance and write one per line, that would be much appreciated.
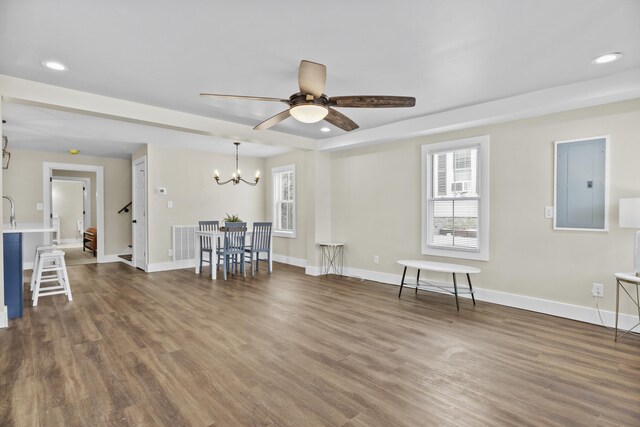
(332, 257)
(631, 279)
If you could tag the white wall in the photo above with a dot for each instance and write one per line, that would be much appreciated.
(23, 181)
(290, 247)
(188, 177)
(92, 197)
(67, 201)
(376, 199)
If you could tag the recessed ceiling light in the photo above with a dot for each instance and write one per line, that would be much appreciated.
(606, 58)
(325, 129)
(54, 65)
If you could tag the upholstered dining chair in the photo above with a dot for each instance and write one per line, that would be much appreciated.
(260, 242)
(206, 242)
(232, 250)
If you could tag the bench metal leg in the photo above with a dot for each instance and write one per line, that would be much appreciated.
(455, 291)
(471, 289)
(417, 280)
(402, 282)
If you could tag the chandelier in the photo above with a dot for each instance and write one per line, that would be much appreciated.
(236, 178)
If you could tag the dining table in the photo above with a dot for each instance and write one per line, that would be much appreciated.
(216, 238)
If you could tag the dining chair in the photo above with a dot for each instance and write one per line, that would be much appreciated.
(260, 242)
(206, 246)
(232, 251)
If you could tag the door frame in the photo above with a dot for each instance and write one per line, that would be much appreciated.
(47, 177)
(134, 203)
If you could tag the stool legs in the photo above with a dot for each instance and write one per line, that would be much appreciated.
(51, 267)
(39, 250)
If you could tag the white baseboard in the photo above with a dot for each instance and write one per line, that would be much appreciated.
(109, 258)
(298, 262)
(312, 270)
(63, 241)
(4, 317)
(99, 260)
(191, 263)
(554, 308)
(171, 265)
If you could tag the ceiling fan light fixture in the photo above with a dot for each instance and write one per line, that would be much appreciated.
(309, 113)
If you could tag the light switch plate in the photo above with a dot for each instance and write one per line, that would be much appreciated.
(169, 204)
(39, 206)
(548, 212)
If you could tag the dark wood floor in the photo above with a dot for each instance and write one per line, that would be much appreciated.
(176, 349)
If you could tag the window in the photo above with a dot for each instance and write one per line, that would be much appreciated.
(284, 201)
(455, 219)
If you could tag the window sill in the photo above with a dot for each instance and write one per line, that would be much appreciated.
(455, 253)
(287, 234)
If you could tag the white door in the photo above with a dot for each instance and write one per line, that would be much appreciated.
(139, 226)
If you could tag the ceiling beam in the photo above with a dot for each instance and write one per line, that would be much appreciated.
(617, 87)
(13, 89)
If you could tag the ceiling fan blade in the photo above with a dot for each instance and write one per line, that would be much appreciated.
(372, 101)
(272, 121)
(251, 98)
(311, 78)
(340, 120)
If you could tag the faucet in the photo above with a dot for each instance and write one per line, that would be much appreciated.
(12, 216)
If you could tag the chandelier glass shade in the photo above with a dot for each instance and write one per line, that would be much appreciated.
(309, 113)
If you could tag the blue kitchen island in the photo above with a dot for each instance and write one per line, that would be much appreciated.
(12, 239)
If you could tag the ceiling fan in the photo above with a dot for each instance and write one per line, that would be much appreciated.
(310, 105)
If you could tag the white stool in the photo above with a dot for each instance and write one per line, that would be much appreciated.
(39, 249)
(51, 268)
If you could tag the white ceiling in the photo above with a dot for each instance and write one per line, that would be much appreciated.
(449, 54)
(43, 129)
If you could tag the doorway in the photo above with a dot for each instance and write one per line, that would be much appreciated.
(94, 205)
(71, 207)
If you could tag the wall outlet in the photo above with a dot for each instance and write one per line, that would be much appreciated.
(376, 259)
(170, 252)
(597, 290)
(548, 212)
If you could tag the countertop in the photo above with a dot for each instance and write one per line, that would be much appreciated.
(33, 227)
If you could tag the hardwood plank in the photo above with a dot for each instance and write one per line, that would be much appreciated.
(172, 348)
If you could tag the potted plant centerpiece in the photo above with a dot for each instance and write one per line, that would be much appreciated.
(230, 218)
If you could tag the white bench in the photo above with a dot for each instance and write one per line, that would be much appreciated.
(440, 267)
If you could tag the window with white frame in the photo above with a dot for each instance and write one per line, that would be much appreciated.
(284, 201)
(455, 219)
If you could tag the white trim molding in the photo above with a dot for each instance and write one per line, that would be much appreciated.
(538, 305)
(171, 265)
(285, 259)
(4, 317)
(47, 173)
(428, 199)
